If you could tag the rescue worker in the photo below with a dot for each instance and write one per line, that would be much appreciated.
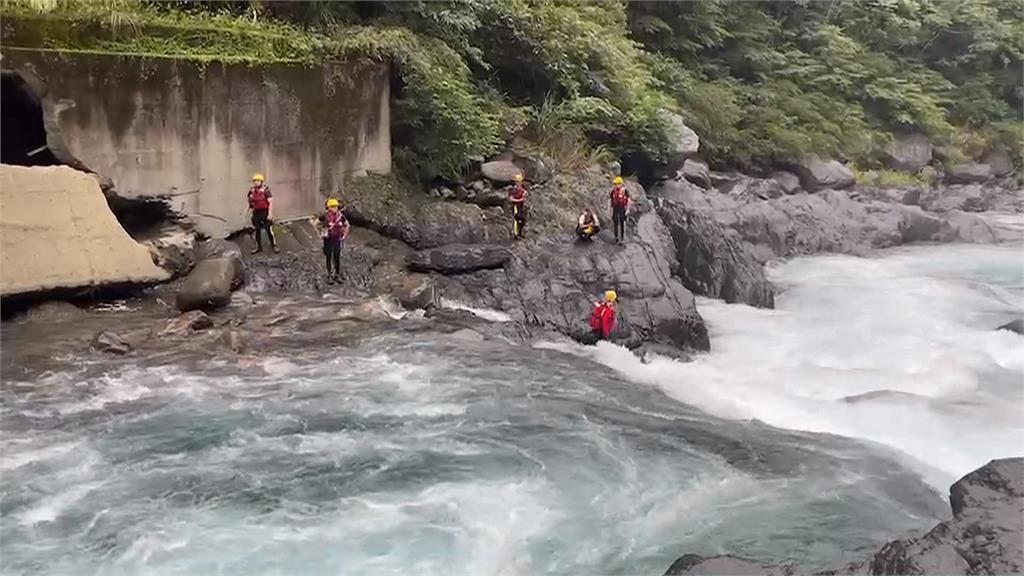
(260, 204)
(517, 197)
(334, 230)
(602, 320)
(587, 226)
(620, 202)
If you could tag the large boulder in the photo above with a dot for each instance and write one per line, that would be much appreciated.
(713, 260)
(57, 232)
(534, 169)
(550, 283)
(500, 171)
(789, 182)
(985, 536)
(696, 171)
(684, 145)
(908, 153)
(998, 159)
(753, 188)
(416, 291)
(969, 173)
(217, 248)
(818, 174)
(208, 285)
(459, 258)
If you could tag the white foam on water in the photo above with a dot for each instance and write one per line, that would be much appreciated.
(914, 326)
(485, 313)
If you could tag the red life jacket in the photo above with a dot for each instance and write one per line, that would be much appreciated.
(602, 320)
(518, 194)
(259, 198)
(335, 223)
(620, 198)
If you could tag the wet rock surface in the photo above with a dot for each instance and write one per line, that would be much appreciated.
(985, 536)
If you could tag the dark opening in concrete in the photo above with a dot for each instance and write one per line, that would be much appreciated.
(22, 130)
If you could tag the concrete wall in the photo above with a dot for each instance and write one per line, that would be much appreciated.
(56, 231)
(197, 132)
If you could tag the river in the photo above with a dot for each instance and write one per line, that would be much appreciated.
(812, 432)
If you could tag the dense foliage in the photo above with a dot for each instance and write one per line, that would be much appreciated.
(761, 82)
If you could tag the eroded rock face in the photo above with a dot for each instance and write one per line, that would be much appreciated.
(713, 260)
(985, 536)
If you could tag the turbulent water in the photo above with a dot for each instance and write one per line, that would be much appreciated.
(448, 455)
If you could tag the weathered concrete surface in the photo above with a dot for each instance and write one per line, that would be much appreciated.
(56, 231)
(162, 126)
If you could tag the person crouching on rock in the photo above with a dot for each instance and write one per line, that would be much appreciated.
(588, 226)
(620, 202)
(260, 205)
(602, 320)
(335, 231)
(517, 198)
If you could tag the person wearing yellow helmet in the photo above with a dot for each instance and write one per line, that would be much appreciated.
(334, 229)
(602, 319)
(260, 205)
(620, 203)
(587, 226)
(517, 198)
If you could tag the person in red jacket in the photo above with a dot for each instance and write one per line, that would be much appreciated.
(335, 228)
(620, 202)
(260, 204)
(602, 320)
(517, 197)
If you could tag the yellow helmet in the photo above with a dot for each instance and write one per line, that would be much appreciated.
(257, 177)
(610, 296)
(519, 177)
(617, 181)
(332, 203)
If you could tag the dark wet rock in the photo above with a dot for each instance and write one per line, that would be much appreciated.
(208, 285)
(187, 323)
(911, 197)
(818, 174)
(500, 171)
(969, 173)
(1014, 326)
(789, 182)
(232, 340)
(985, 535)
(726, 565)
(696, 171)
(110, 343)
(713, 260)
(908, 153)
(998, 159)
(459, 258)
(173, 249)
(416, 291)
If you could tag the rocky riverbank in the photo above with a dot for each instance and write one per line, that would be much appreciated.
(985, 536)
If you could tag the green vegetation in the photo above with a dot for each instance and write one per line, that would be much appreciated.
(761, 82)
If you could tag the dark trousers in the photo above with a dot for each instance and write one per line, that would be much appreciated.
(332, 252)
(518, 219)
(619, 221)
(261, 221)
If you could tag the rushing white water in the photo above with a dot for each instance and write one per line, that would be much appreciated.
(899, 349)
(439, 455)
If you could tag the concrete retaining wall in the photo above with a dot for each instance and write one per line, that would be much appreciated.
(197, 132)
(56, 231)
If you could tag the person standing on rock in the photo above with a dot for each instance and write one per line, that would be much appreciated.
(260, 205)
(602, 320)
(517, 197)
(620, 202)
(335, 231)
